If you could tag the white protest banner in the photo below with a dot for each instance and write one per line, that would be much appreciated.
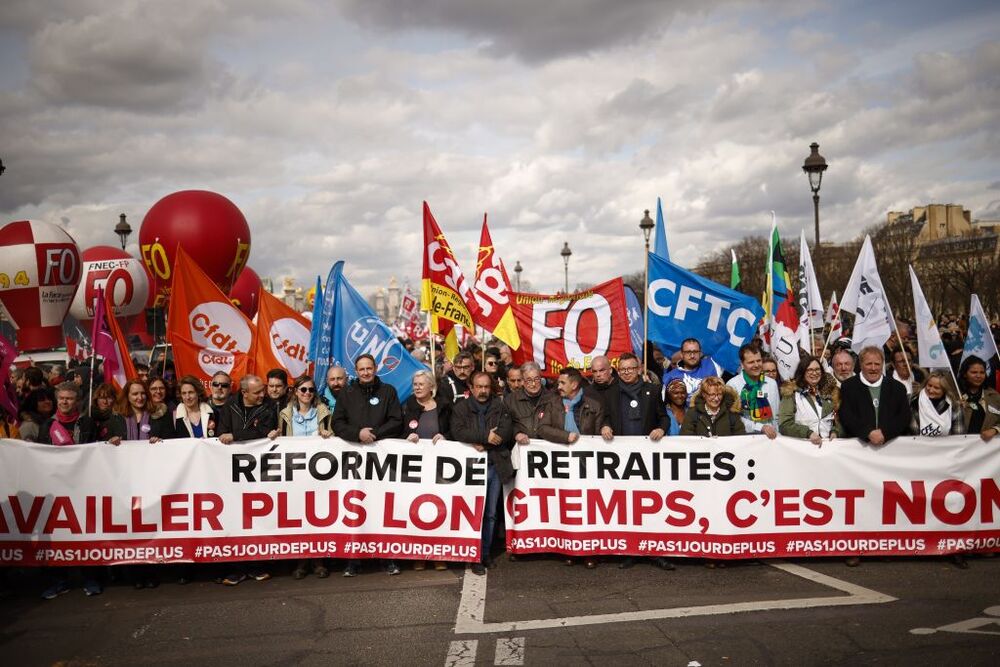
(750, 497)
(193, 500)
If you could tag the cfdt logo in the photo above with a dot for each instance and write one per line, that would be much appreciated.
(290, 345)
(220, 330)
(368, 336)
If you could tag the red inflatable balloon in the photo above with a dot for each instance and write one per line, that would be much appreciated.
(245, 294)
(210, 229)
(116, 271)
(39, 274)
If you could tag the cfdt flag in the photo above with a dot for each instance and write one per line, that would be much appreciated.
(354, 330)
(208, 333)
(281, 339)
(684, 305)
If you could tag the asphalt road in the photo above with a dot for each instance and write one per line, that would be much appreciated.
(533, 612)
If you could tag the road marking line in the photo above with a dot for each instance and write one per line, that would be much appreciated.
(510, 651)
(472, 607)
(462, 653)
(970, 626)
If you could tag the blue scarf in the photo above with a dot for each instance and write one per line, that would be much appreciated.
(569, 405)
(304, 424)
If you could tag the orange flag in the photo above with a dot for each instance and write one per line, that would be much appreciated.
(208, 333)
(281, 339)
(493, 293)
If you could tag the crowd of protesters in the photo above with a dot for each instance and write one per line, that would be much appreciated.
(483, 399)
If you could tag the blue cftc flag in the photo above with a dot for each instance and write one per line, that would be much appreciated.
(684, 305)
(348, 328)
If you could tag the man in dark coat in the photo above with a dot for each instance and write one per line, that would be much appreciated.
(367, 410)
(484, 422)
(579, 414)
(454, 387)
(633, 407)
(247, 417)
(873, 408)
(529, 404)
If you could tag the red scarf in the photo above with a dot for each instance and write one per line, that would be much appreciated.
(61, 431)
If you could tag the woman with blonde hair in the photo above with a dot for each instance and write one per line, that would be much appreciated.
(936, 409)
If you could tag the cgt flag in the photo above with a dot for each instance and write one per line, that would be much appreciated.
(281, 338)
(444, 292)
(355, 329)
(208, 333)
(493, 293)
(684, 305)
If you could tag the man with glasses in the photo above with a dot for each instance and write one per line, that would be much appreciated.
(759, 396)
(220, 392)
(692, 368)
(529, 404)
(454, 385)
(633, 406)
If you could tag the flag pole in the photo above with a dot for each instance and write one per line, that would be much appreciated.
(645, 315)
(430, 338)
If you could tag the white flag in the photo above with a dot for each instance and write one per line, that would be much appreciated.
(929, 346)
(865, 297)
(810, 300)
(833, 317)
(979, 341)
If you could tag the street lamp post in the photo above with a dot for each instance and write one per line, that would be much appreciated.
(566, 252)
(517, 274)
(814, 166)
(646, 225)
(123, 230)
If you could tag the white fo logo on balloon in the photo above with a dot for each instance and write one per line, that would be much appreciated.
(221, 332)
(290, 345)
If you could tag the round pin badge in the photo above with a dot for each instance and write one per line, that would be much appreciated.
(633, 403)
(373, 400)
(414, 423)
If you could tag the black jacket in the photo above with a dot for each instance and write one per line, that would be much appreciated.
(374, 406)
(465, 427)
(159, 427)
(245, 423)
(857, 414)
(651, 408)
(451, 390)
(412, 411)
(84, 430)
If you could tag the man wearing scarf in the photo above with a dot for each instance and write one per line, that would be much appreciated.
(529, 403)
(632, 406)
(873, 408)
(484, 422)
(759, 394)
(67, 426)
(580, 415)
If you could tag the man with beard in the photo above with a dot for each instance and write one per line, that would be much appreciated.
(336, 380)
(367, 410)
(692, 367)
(454, 387)
(484, 422)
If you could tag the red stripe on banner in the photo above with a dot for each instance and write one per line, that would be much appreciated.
(225, 549)
(762, 545)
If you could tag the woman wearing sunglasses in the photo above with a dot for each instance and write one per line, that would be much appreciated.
(305, 415)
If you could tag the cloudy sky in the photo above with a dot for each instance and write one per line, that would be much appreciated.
(328, 123)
